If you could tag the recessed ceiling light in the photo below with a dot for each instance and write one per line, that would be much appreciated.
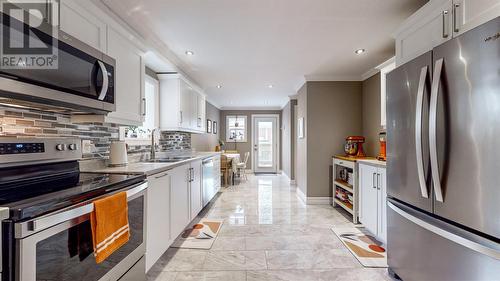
(189, 53)
(359, 51)
(219, 86)
(270, 86)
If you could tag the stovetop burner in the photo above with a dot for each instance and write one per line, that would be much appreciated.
(31, 191)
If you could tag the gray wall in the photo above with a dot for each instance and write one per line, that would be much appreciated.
(301, 144)
(371, 114)
(333, 111)
(207, 142)
(245, 146)
(288, 138)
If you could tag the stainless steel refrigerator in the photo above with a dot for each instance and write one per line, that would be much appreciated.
(443, 161)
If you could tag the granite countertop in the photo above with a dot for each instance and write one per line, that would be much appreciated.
(373, 162)
(149, 168)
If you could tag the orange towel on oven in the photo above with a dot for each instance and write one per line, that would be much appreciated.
(109, 221)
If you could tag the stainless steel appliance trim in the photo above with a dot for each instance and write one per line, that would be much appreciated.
(418, 132)
(445, 23)
(436, 79)
(455, 17)
(485, 250)
(77, 44)
(36, 225)
(105, 81)
(26, 256)
(49, 156)
(16, 89)
(4, 214)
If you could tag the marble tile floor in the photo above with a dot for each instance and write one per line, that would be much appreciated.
(268, 234)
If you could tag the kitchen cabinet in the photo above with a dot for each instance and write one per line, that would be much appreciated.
(158, 217)
(471, 13)
(195, 189)
(182, 104)
(373, 197)
(429, 27)
(346, 188)
(179, 200)
(129, 87)
(83, 25)
(437, 22)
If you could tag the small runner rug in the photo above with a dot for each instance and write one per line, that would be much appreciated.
(366, 248)
(200, 236)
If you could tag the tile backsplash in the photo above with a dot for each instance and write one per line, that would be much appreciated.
(35, 123)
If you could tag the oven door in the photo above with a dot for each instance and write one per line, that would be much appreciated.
(47, 254)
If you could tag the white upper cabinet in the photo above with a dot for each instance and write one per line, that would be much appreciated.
(182, 105)
(427, 28)
(471, 13)
(129, 87)
(81, 24)
(439, 21)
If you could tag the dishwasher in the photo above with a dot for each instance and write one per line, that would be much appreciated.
(209, 180)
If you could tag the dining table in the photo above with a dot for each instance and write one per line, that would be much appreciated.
(234, 158)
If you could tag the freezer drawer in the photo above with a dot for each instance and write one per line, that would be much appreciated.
(421, 247)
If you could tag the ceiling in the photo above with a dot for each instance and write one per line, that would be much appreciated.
(245, 46)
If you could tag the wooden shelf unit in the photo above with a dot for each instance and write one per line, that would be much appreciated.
(350, 163)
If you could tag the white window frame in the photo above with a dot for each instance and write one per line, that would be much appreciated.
(145, 140)
(244, 119)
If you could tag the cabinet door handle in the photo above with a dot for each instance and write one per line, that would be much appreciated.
(181, 117)
(143, 106)
(445, 23)
(373, 181)
(378, 181)
(455, 17)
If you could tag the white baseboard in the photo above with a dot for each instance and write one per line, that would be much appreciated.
(319, 200)
(292, 182)
(313, 200)
(301, 195)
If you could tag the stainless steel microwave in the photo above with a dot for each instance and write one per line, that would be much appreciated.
(82, 82)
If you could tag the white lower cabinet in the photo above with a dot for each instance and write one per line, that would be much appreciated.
(373, 197)
(179, 200)
(158, 217)
(195, 188)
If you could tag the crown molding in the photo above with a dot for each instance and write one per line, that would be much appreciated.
(369, 73)
(339, 78)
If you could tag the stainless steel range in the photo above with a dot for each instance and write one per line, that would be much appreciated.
(46, 203)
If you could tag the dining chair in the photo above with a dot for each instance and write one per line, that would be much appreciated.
(243, 166)
(226, 168)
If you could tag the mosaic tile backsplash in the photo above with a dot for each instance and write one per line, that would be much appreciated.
(35, 123)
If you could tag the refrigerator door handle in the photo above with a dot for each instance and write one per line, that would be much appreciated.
(418, 132)
(473, 245)
(436, 80)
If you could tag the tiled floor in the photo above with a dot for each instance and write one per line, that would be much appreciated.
(268, 234)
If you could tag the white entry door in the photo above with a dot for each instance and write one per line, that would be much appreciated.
(265, 141)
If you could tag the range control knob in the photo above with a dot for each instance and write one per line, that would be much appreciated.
(61, 147)
(72, 146)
